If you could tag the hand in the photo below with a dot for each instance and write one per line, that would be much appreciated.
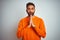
(31, 23)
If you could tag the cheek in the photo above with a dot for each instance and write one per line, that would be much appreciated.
(28, 10)
(33, 10)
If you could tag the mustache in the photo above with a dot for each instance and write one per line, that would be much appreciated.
(30, 13)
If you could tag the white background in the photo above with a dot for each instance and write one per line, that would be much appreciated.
(13, 10)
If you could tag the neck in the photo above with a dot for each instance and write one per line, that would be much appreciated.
(30, 15)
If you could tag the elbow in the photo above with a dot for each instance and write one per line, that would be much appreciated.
(18, 35)
(44, 35)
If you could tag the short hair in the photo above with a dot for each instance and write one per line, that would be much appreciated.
(30, 3)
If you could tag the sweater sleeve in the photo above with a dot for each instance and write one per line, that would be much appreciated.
(41, 31)
(19, 29)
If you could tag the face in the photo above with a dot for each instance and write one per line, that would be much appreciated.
(30, 10)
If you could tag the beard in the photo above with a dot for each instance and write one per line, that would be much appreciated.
(30, 13)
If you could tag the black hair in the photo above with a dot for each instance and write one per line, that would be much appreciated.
(29, 3)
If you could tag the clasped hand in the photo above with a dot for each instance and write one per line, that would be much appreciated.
(31, 22)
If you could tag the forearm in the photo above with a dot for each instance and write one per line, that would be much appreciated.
(40, 32)
(18, 35)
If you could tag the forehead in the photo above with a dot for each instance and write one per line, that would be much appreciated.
(30, 6)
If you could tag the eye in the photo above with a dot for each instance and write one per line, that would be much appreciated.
(28, 8)
(33, 8)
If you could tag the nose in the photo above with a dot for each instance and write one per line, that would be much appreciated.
(30, 10)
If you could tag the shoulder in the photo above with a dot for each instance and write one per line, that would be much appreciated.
(39, 18)
(22, 19)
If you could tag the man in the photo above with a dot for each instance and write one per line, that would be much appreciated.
(31, 27)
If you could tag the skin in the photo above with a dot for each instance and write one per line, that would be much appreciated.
(30, 10)
(40, 30)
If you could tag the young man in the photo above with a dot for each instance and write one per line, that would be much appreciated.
(31, 27)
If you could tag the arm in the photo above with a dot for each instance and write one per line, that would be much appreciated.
(20, 26)
(41, 31)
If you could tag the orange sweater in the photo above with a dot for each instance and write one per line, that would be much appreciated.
(32, 33)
